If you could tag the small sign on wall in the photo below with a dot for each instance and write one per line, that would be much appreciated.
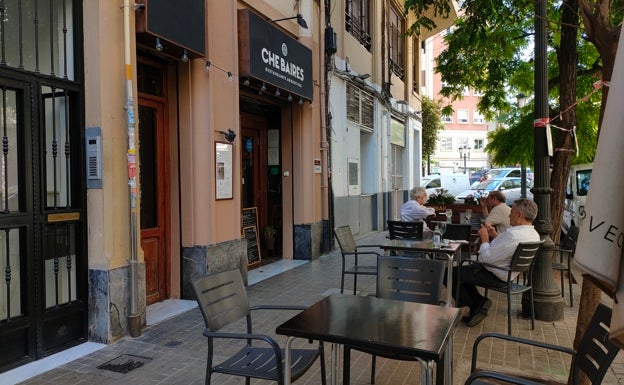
(317, 166)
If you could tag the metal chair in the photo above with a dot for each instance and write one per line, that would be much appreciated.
(348, 249)
(460, 232)
(405, 230)
(593, 357)
(565, 251)
(521, 262)
(222, 299)
(406, 279)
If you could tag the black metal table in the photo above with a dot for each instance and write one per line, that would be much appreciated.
(413, 329)
(448, 252)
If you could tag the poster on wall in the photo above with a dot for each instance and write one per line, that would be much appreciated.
(223, 171)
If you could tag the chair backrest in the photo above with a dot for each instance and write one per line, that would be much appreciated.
(410, 279)
(222, 298)
(595, 352)
(524, 255)
(345, 239)
(458, 232)
(405, 230)
(569, 241)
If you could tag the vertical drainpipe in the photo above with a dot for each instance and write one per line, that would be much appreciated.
(134, 319)
(323, 100)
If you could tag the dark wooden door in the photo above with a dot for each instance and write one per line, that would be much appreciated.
(154, 202)
(253, 153)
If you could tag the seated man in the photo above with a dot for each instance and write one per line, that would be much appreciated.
(413, 210)
(495, 211)
(498, 252)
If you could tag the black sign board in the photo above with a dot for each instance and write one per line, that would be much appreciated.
(270, 55)
(250, 232)
(253, 250)
(180, 22)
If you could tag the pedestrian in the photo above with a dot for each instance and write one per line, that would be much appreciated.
(495, 211)
(414, 210)
(497, 252)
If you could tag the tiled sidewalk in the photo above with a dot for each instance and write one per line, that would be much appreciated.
(174, 351)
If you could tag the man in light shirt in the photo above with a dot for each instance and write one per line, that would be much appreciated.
(497, 252)
(495, 211)
(414, 210)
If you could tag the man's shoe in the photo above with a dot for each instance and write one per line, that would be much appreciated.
(478, 317)
(486, 304)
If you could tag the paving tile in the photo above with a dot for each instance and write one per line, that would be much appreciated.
(178, 350)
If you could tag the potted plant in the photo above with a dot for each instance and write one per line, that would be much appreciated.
(269, 233)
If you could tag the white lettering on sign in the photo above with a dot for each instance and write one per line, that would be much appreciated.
(611, 232)
(279, 63)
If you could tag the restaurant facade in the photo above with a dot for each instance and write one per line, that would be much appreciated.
(148, 143)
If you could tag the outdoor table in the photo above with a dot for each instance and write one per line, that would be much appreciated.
(408, 328)
(426, 246)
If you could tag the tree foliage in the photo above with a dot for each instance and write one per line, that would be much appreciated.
(431, 124)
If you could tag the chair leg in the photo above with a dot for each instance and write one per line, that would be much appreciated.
(509, 310)
(373, 365)
(532, 310)
(570, 286)
(354, 283)
(346, 365)
(562, 286)
(323, 368)
(342, 283)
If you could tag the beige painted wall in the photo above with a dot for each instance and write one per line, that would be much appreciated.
(108, 208)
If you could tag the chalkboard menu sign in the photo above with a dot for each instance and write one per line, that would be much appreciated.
(253, 250)
(250, 232)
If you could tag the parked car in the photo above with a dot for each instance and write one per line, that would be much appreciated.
(577, 188)
(506, 172)
(478, 176)
(511, 187)
(451, 183)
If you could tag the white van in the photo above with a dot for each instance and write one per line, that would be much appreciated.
(576, 192)
(452, 183)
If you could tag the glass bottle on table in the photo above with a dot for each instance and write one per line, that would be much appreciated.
(437, 236)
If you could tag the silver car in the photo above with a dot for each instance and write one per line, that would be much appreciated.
(511, 187)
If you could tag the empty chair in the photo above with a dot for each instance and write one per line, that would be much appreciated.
(565, 252)
(460, 232)
(593, 357)
(222, 299)
(521, 262)
(406, 279)
(405, 230)
(350, 250)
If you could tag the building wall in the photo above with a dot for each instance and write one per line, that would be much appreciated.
(205, 232)
(448, 160)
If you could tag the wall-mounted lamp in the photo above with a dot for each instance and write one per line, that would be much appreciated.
(159, 47)
(300, 20)
(138, 6)
(300, 101)
(277, 92)
(184, 57)
(246, 82)
(208, 64)
(290, 98)
(229, 135)
(230, 75)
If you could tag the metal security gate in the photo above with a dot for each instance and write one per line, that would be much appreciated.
(43, 293)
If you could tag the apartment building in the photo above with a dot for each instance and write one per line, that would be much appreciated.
(461, 144)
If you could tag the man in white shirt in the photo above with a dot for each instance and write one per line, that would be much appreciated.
(495, 211)
(497, 252)
(414, 209)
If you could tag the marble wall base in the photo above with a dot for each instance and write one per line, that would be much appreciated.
(199, 261)
(109, 302)
(308, 241)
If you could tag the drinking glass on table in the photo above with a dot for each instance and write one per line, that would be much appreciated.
(442, 227)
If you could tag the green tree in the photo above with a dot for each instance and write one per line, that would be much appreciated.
(431, 124)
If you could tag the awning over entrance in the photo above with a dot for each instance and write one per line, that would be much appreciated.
(271, 56)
